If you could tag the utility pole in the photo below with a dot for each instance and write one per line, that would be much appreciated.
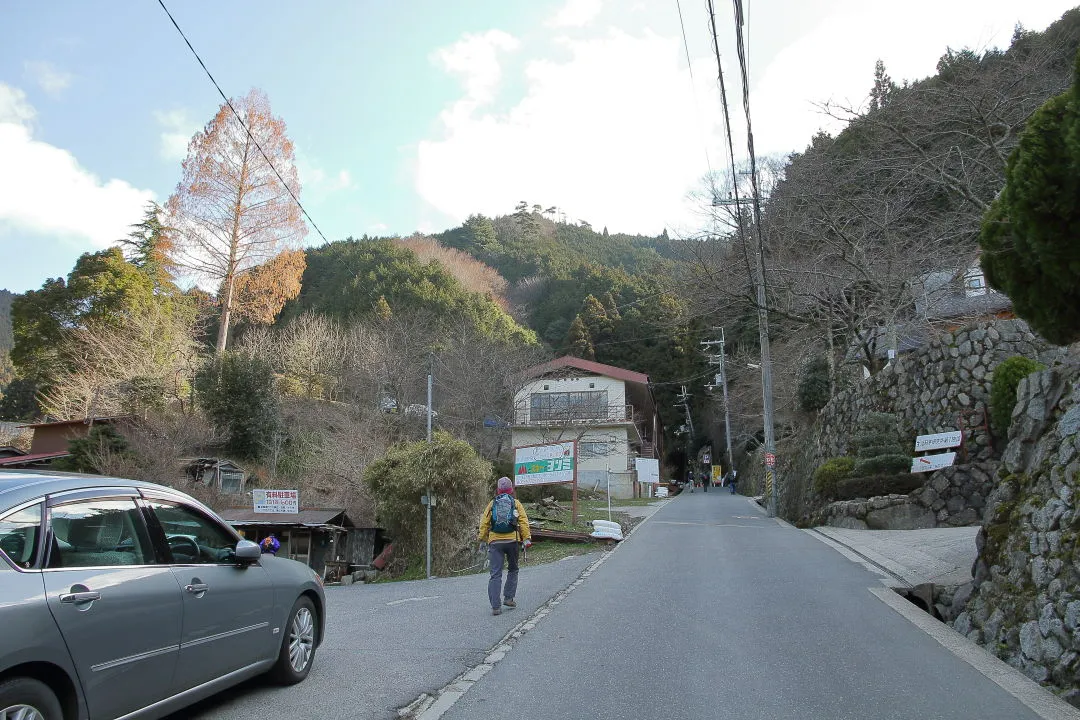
(683, 401)
(721, 379)
(758, 250)
(429, 500)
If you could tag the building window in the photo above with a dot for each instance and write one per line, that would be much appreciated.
(569, 406)
(587, 450)
(974, 282)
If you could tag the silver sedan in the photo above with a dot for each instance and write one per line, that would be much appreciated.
(121, 599)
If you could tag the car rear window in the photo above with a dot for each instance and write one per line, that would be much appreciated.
(19, 533)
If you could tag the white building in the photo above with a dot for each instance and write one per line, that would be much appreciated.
(609, 411)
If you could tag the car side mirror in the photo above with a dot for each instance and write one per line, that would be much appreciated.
(247, 552)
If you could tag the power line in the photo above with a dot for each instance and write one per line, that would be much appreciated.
(242, 123)
(693, 86)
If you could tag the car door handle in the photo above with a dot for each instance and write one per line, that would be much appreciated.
(196, 588)
(80, 597)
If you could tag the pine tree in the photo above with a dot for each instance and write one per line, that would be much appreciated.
(382, 309)
(1029, 233)
(883, 87)
(578, 342)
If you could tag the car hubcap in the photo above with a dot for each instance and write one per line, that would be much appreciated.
(301, 640)
(21, 712)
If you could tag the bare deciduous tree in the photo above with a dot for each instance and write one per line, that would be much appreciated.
(231, 210)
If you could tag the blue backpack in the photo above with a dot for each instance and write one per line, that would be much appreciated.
(503, 514)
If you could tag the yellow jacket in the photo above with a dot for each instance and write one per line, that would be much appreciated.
(522, 533)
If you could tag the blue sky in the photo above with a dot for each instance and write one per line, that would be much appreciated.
(410, 115)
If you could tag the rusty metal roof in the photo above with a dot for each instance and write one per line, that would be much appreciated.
(309, 517)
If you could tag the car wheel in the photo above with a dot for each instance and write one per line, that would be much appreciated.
(27, 699)
(298, 646)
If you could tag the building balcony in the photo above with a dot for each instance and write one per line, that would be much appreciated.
(525, 416)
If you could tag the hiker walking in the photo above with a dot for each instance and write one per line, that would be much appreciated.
(502, 526)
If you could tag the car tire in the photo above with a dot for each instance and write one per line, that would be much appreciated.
(29, 693)
(298, 646)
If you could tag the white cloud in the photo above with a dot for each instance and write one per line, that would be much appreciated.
(177, 130)
(475, 59)
(577, 13)
(610, 130)
(609, 134)
(48, 77)
(14, 108)
(835, 59)
(318, 182)
(44, 190)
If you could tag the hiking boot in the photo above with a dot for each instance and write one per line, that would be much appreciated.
(496, 611)
(509, 602)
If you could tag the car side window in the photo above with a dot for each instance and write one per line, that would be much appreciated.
(19, 533)
(98, 533)
(193, 537)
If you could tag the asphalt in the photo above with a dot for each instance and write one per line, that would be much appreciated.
(712, 610)
(387, 643)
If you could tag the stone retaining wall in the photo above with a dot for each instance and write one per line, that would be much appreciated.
(952, 497)
(1024, 604)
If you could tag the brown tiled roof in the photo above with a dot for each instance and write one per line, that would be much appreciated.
(591, 366)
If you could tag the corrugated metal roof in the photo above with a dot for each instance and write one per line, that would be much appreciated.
(309, 517)
(22, 459)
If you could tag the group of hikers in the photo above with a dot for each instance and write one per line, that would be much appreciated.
(705, 480)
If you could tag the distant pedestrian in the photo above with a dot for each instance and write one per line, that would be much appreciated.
(502, 526)
(732, 482)
(705, 481)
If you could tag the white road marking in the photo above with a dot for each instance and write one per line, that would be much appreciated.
(414, 599)
(1040, 700)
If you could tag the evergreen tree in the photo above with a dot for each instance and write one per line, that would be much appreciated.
(883, 87)
(578, 342)
(1029, 235)
(596, 319)
(150, 246)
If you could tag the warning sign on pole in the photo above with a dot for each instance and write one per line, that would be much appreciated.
(770, 459)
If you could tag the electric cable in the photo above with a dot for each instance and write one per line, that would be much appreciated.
(242, 123)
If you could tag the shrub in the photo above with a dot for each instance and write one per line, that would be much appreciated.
(875, 485)
(95, 451)
(883, 465)
(237, 393)
(831, 472)
(1007, 377)
(814, 385)
(454, 473)
(877, 436)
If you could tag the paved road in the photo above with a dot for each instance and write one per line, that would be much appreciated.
(710, 610)
(388, 643)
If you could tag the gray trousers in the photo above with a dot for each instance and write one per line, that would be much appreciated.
(496, 552)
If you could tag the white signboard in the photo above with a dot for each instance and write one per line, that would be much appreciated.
(648, 470)
(939, 441)
(932, 462)
(544, 464)
(277, 501)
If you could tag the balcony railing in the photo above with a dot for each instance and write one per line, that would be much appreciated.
(525, 415)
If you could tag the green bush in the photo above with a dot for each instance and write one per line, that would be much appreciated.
(875, 485)
(1007, 377)
(831, 472)
(454, 473)
(90, 453)
(814, 385)
(237, 392)
(877, 436)
(883, 465)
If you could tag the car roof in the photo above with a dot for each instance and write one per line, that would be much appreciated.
(19, 486)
